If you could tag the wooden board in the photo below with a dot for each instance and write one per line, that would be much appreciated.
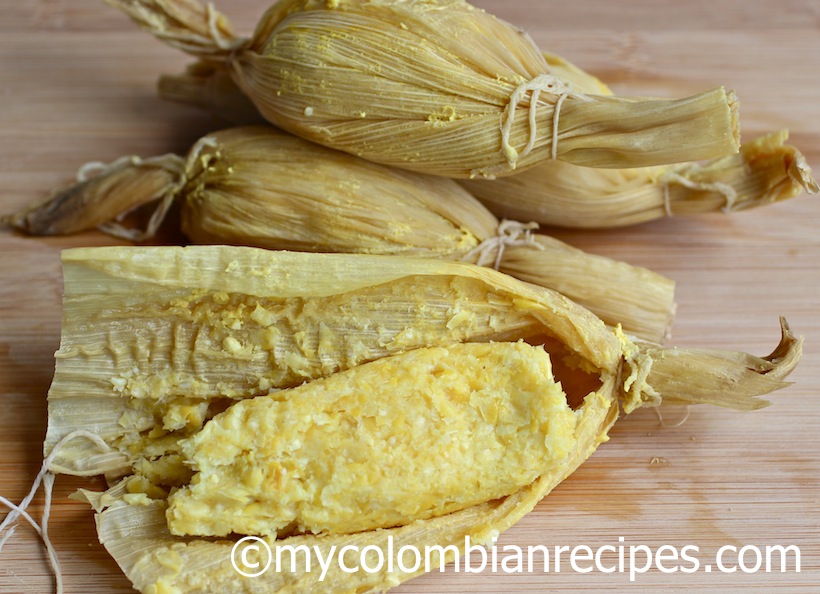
(77, 84)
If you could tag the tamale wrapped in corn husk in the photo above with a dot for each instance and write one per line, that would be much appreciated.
(561, 194)
(180, 333)
(194, 349)
(438, 86)
(557, 193)
(261, 187)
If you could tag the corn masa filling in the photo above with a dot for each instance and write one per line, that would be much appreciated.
(405, 438)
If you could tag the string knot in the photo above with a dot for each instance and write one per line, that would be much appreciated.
(542, 83)
(678, 176)
(510, 234)
(46, 478)
(182, 169)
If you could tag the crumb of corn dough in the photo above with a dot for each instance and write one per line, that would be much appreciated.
(405, 438)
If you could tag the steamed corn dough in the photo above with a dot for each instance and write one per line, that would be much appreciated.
(348, 453)
(155, 561)
(155, 341)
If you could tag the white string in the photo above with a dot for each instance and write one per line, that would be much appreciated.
(96, 168)
(667, 200)
(678, 424)
(195, 154)
(555, 116)
(46, 478)
(678, 177)
(543, 82)
(175, 164)
(221, 41)
(510, 234)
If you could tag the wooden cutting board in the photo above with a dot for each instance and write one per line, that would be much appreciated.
(77, 84)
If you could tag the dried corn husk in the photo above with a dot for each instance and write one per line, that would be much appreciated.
(180, 333)
(209, 86)
(557, 193)
(261, 187)
(183, 333)
(438, 87)
(766, 171)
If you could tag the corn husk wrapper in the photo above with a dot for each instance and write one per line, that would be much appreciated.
(766, 171)
(176, 329)
(173, 326)
(557, 193)
(261, 187)
(438, 87)
(209, 86)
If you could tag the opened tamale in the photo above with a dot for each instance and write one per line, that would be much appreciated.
(212, 336)
(437, 86)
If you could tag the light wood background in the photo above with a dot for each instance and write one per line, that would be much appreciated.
(77, 84)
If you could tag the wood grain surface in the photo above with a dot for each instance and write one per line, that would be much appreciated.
(77, 84)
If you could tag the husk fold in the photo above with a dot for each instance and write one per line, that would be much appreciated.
(444, 88)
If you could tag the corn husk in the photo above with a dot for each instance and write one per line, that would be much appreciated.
(557, 193)
(438, 87)
(209, 86)
(766, 171)
(180, 330)
(261, 187)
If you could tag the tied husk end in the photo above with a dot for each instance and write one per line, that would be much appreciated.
(721, 378)
(102, 195)
(187, 25)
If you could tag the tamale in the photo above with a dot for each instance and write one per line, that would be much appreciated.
(176, 326)
(179, 334)
(560, 194)
(438, 86)
(258, 186)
